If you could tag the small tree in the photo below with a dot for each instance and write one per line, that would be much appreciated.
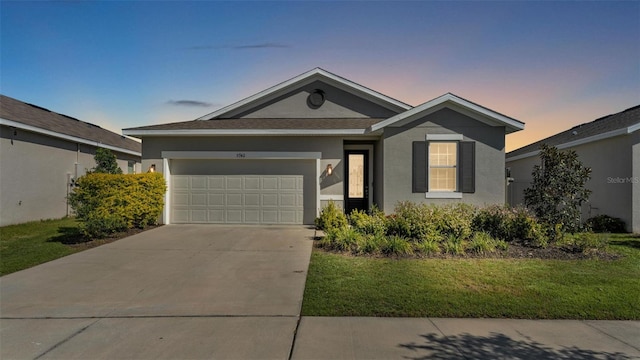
(106, 162)
(558, 188)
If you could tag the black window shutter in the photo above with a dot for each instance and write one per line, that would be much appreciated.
(467, 166)
(419, 167)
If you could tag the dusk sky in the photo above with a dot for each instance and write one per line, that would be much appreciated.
(123, 64)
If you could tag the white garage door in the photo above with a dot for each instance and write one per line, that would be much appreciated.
(237, 199)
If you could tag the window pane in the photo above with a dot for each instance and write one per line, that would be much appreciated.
(356, 176)
(443, 157)
(442, 179)
(442, 154)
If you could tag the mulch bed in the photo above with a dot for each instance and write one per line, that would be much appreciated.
(83, 243)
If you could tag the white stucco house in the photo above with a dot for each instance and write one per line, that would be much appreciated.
(278, 156)
(41, 152)
(610, 146)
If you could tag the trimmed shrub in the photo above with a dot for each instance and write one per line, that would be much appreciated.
(374, 223)
(331, 217)
(509, 224)
(606, 224)
(428, 221)
(109, 203)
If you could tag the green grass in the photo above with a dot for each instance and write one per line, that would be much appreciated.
(340, 285)
(29, 244)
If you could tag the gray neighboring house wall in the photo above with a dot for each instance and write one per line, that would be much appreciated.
(279, 156)
(610, 146)
(41, 152)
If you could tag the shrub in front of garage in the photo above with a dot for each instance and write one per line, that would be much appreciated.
(110, 203)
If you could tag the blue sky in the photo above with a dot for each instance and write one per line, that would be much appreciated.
(123, 64)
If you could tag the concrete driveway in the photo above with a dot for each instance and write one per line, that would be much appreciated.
(178, 291)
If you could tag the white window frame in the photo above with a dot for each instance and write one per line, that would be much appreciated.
(432, 138)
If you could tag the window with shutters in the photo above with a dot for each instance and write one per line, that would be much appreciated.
(443, 167)
(443, 159)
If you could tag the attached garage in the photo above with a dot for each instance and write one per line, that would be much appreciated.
(242, 191)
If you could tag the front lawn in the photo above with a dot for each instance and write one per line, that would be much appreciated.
(343, 285)
(25, 245)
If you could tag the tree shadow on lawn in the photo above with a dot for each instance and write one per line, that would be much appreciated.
(498, 346)
(69, 236)
(634, 244)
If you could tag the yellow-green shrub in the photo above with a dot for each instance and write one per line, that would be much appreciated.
(108, 203)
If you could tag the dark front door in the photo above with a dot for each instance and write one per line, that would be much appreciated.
(356, 180)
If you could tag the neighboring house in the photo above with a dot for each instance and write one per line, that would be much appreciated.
(610, 146)
(42, 153)
(280, 155)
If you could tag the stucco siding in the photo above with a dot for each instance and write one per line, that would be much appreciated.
(489, 160)
(338, 104)
(634, 139)
(34, 174)
(612, 177)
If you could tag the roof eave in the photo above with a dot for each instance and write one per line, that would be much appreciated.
(35, 129)
(247, 132)
(590, 139)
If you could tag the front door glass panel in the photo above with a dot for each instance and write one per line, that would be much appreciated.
(356, 176)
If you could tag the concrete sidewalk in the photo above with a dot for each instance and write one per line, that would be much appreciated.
(434, 338)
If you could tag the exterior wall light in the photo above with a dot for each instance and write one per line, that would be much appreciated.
(152, 168)
(329, 170)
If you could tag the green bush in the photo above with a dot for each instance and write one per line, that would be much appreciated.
(428, 221)
(584, 242)
(331, 217)
(453, 245)
(606, 224)
(427, 247)
(370, 244)
(482, 243)
(341, 239)
(397, 245)
(373, 223)
(108, 203)
(509, 224)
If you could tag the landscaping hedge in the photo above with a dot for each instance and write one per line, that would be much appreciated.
(109, 203)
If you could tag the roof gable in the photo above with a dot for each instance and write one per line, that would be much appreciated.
(624, 122)
(456, 103)
(303, 81)
(34, 118)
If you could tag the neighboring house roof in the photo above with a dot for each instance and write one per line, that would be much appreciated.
(304, 79)
(476, 111)
(624, 122)
(21, 115)
(216, 123)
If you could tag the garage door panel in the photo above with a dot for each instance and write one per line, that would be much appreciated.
(269, 199)
(288, 200)
(216, 215)
(199, 183)
(269, 183)
(234, 199)
(216, 200)
(237, 199)
(216, 182)
(199, 199)
(234, 183)
(180, 199)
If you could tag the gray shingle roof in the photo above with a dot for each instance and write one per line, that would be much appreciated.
(623, 119)
(252, 123)
(28, 114)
